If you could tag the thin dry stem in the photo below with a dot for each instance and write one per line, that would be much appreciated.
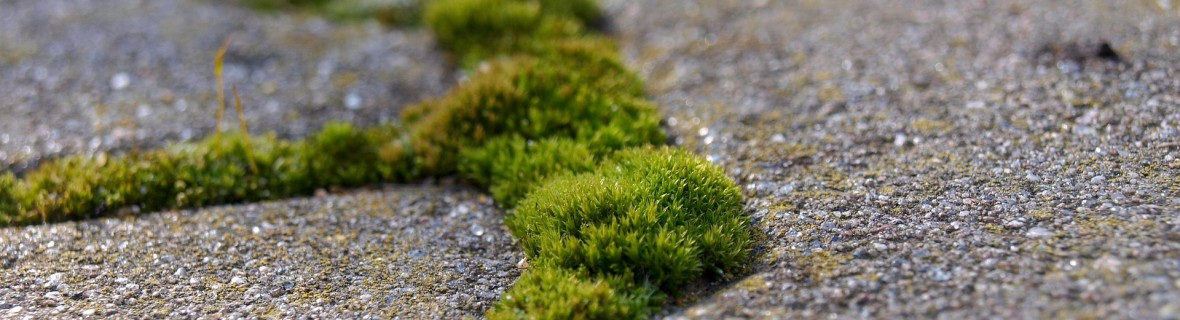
(245, 131)
(217, 67)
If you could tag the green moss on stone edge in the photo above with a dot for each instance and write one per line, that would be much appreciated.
(534, 99)
(475, 30)
(209, 172)
(548, 292)
(659, 216)
(9, 205)
(550, 122)
(511, 166)
(647, 222)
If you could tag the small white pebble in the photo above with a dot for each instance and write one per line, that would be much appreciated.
(778, 138)
(143, 111)
(1038, 232)
(352, 101)
(237, 280)
(899, 140)
(120, 81)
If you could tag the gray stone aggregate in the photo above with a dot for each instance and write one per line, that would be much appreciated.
(901, 159)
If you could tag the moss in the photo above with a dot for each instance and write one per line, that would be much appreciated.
(534, 99)
(585, 63)
(608, 244)
(557, 293)
(510, 166)
(661, 217)
(646, 221)
(8, 201)
(605, 241)
(187, 175)
(342, 156)
(475, 30)
(77, 185)
(227, 169)
(218, 171)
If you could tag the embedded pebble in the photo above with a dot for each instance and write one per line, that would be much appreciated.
(1038, 232)
(120, 81)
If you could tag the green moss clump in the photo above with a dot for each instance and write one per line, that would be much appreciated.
(653, 218)
(186, 175)
(475, 30)
(606, 241)
(74, 186)
(216, 172)
(586, 12)
(534, 99)
(342, 156)
(557, 293)
(229, 169)
(510, 166)
(9, 204)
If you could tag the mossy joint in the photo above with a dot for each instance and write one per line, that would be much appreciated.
(552, 124)
(606, 241)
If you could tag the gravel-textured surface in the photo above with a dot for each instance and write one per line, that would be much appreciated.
(413, 252)
(80, 76)
(958, 159)
(952, 159)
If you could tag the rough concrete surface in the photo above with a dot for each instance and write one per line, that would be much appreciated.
(82, 76)
(412, 252)
(902, 159)
(949, 159)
